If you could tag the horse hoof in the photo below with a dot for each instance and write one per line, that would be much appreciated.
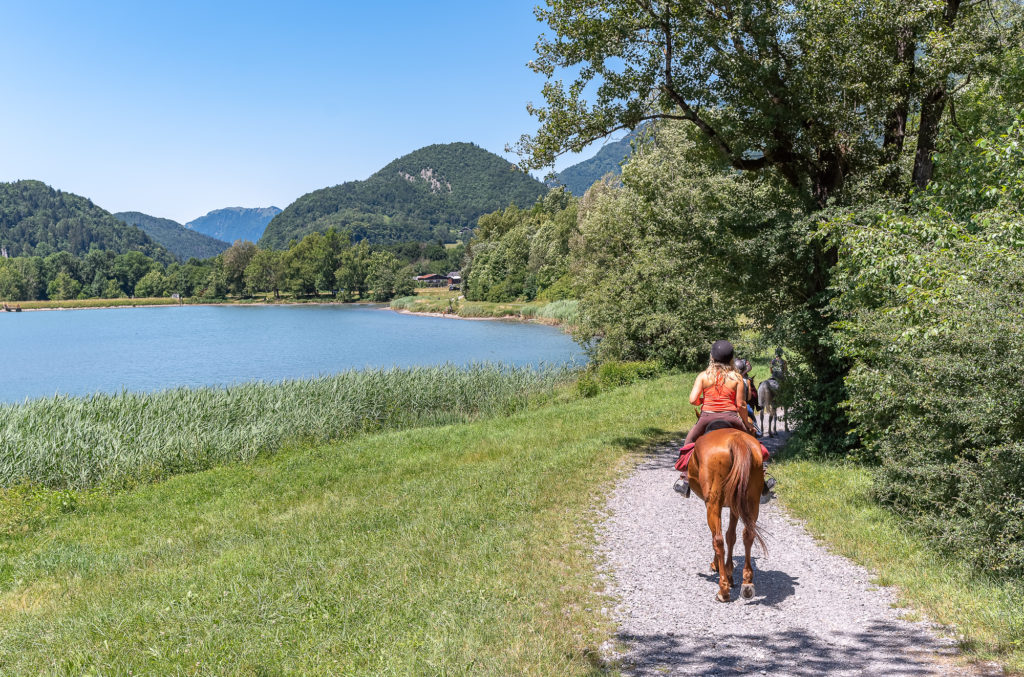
(747, 591)
(722, 598)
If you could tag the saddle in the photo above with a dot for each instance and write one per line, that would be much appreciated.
(773, 384)
(687, 451)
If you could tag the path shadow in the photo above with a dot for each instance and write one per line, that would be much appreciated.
(770, 586)
(881, 648)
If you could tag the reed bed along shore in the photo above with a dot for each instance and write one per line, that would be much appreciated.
(117, 440)
(556, 312)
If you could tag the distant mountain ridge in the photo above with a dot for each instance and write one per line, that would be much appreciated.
(37, 220)
(234, 223)
(582, 175)
(432, 193)
(179, 240)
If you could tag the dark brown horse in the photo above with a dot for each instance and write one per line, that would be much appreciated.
(726, 469)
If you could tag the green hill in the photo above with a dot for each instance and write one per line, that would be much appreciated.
(581, 176)
(234, 223)
(37, 220)
(182, 242)
(431, 193)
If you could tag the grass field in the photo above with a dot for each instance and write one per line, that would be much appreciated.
(463, 549)
(835, 500)
(456, 549)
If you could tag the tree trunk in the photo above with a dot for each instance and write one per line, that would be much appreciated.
(932, 107)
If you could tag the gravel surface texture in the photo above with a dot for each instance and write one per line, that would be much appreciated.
(814, 613)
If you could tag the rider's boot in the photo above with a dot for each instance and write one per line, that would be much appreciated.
(682, 486)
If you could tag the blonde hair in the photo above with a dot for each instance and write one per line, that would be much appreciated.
(719, 372)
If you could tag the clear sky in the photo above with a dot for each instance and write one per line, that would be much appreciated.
(175, 109)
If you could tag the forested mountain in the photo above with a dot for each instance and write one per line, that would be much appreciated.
(182, 242)
(37, 220)
(582, 175)
(431, 193)
(235, 223)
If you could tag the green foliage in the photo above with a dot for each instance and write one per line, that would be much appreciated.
(152, 284)
(518, 253)
(115, 439)
(434, 192)
(184, 243)
(234, 261)
(36, 220)
(387, 278)
(265, 272)
(613, 374)
(929, 298)
(63, 287)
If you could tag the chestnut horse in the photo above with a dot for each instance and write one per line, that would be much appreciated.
(726, 469)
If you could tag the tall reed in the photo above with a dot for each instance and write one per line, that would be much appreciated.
(79, 442)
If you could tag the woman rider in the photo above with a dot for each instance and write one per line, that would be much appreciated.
(719, 392)
(721, 396)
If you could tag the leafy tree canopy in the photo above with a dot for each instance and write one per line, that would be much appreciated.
(818, 91)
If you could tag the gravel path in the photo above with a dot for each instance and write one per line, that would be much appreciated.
(814, 613)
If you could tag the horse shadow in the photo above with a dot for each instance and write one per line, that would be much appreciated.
(771, 586)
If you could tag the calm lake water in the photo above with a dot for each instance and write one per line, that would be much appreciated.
(141, 349)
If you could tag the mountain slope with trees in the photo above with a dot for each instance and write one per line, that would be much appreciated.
(37, 220)
(582, 175)
(234, 223)
(181, 241)
(432, 193)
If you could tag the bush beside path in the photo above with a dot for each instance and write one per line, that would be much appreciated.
(814, 612)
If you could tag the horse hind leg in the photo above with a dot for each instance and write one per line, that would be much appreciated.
(747, 589)
(730, 541)
(718, 543)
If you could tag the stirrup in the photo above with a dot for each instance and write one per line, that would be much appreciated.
(682, 486)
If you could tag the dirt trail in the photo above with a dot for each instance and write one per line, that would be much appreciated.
(814, 613)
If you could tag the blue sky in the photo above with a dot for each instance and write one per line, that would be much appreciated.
(175, 109)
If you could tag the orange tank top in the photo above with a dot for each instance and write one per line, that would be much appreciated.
(718, 397)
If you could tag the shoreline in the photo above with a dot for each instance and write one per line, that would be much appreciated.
(210, 303)
(506, 318)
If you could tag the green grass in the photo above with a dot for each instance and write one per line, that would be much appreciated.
(835, 500)
(79, 442)
(463, 549)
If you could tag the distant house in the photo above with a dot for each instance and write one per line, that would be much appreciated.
(454, 278)
(432, 280)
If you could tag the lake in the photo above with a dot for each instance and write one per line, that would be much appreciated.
(143, 349)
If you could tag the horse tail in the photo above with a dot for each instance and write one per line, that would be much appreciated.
(762, 394)
(737, 483)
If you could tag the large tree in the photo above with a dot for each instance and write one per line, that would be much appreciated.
(818, 91)
(823, 104)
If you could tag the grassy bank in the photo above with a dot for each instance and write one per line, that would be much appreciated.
(555, 312)
(463, 549)
(79, 442)
(835, 500)
(96, 303)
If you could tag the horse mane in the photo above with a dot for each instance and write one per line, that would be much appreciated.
(736, 485)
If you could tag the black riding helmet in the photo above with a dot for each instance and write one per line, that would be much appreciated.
(722, 352)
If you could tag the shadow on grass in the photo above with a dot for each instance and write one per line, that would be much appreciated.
(648, 440)
(880, 649)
